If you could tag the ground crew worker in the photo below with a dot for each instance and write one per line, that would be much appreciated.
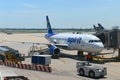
(89, 57)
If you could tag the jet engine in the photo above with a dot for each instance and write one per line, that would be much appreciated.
(54, 51)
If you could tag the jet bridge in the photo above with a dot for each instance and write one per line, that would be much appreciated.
(110, 39)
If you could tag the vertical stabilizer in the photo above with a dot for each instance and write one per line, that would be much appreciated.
(100, 26)
(49, 26)
(94, 27)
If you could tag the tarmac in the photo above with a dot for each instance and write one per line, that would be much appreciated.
(63, 68)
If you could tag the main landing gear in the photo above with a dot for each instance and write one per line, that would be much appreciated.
(80, 53)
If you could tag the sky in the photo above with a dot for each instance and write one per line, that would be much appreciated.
(79, 14)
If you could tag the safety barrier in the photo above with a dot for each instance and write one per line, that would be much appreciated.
(10, 64)
(42, 68)
(26, 66)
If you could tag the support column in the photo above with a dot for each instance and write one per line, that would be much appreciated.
(119, 52)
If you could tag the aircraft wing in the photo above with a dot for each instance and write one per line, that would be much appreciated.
(37, 43)
(61, 45)
(51, 44)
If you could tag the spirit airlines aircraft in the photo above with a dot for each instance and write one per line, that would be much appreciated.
(80, 42)
(69, 41)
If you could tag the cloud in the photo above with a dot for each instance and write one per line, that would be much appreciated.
(28, 5)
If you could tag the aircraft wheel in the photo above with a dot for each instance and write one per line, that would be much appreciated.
(80, 53)
(55, 56)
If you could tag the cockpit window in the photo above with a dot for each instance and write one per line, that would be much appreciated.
(91, 41)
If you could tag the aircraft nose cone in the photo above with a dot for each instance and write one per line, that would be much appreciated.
(100, 46)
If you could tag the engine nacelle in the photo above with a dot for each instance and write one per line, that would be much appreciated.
(54, 50)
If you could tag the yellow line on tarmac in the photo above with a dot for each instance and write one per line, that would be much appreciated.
(115, 62)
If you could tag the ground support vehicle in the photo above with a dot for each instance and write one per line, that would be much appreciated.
(84, 68)
(41, 60)
(9, 54)
(11, 75)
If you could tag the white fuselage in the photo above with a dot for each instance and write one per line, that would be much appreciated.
(80, 42)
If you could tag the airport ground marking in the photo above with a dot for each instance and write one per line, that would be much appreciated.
(115, 62)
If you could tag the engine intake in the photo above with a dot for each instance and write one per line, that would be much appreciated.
(55, 51)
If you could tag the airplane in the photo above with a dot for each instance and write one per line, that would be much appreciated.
(99, 28)
(69, 41)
